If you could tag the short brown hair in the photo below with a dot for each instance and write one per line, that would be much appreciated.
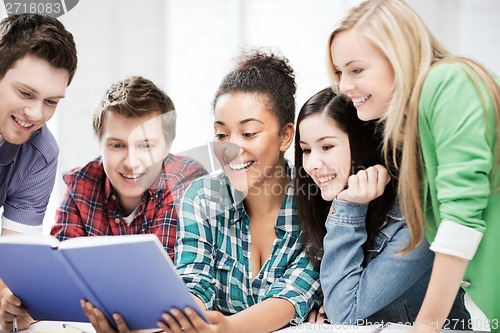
(136, 97)
(42, 36)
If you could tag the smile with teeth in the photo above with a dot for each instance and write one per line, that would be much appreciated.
(240, 166)
(360, 100)
(324, 179)
(134, 176)
(22, 123)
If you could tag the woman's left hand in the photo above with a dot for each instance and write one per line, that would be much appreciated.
(189, 321)
(366, 185)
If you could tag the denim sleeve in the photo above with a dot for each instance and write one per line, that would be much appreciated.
(354, 290)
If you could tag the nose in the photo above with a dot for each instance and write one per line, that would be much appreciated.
(231, 151)
(235, 147)
(131, 161)
(34, 112)
(312, 162)
(345, 85)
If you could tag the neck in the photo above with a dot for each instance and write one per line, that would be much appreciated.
(267, 197)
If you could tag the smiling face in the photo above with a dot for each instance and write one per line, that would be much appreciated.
(326, 154)
(365, 74)
(29, 93)
(244, 120)
(133, 150)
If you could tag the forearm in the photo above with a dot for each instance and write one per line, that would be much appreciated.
(4, 231)
(353, 289)
(341, 274)
(446, 277)
(266, 316)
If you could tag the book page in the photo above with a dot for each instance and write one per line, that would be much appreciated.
(91, 241)
(30, 239)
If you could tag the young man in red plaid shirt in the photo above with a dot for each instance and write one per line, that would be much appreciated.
(135, 186)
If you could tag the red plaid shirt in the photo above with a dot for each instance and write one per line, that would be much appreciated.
(90, 206)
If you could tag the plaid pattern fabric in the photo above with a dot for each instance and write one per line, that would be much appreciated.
(90, 206)
(213, 252)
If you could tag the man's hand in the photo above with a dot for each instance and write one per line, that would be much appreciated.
(11, 306)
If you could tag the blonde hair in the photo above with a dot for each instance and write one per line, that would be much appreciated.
(400, 34)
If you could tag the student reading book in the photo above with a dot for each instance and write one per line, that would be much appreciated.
(109, 271)
(134, 187)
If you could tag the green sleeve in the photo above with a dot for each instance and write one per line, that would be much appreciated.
(458, 144)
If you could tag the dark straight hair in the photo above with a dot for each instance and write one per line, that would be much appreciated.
(364, 139)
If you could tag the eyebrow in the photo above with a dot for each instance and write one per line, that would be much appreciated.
(242, 122)
(350, 62)
(149, 140)
(322, 138)
(114, 139)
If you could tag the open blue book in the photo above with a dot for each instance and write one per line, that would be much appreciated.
(131, 275)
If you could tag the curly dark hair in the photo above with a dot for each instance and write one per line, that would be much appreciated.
(263, 72)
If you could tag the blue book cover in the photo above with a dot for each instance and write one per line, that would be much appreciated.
(131, 275)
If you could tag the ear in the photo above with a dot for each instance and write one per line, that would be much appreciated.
(286, 136)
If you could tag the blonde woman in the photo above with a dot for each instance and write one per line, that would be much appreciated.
(441, 134)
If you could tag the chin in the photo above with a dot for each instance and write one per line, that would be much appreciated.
(327, 196)
(364, 117)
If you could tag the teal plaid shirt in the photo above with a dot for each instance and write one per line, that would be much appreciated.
(212, 253)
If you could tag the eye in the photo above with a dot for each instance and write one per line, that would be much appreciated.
(117, 145)
(327, 147)
(357, 70)
(145, 145)
(220, 136)
(51, 102)
(306, 151)
(24, 93)
(338, 73)
(248, 135)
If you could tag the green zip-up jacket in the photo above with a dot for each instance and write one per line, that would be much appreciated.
(459, 144)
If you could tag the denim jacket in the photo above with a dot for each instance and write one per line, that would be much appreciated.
(378, 284)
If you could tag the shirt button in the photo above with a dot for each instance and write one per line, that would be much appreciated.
(113, 197)
(117, 220)
(465, 284)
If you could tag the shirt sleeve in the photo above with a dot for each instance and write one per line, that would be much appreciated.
(354, 291)
(25, 209)
(193, 251)
(453, 124)
(299, 285)
(69, 223)
(182, 173)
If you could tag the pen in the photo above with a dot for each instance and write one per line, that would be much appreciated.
(14, 324)
(72, 328)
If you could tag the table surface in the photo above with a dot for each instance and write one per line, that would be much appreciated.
(57, 327)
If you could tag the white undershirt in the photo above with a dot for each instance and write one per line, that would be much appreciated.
(130, 218)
